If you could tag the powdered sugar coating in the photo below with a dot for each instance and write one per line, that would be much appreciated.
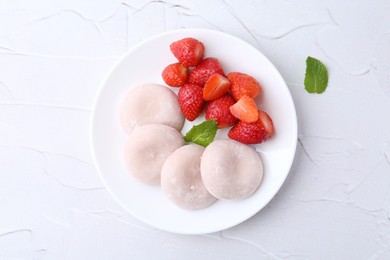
(181, 179)
(147, 148)
(151, 104)
(231, 170)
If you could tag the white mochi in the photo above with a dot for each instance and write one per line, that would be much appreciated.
(231, 170)
(147, 148)
(181, 179)
(151, 104)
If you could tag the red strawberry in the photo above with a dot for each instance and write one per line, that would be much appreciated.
(188, 51)
(175, 75)
(245, 109)
(219, 110)
(253, 133)
(201, 73)
(215, 87)
(243, 84)
(191, 101)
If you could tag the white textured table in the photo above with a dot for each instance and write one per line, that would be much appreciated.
(335, 203)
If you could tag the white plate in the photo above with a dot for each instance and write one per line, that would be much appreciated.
(144, 64)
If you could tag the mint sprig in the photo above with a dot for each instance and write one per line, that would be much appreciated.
(202, 134)
(316, 77)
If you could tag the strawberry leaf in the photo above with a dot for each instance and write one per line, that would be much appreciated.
(316, 77)
(202, 134)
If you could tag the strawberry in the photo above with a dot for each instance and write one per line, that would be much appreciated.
(245, 109)
(219, 110)
(188, 51)
(175, 75)
(243, 84)
(201, 73)
(215, 87)
(253, 133)
(191, 101)
(267, 123)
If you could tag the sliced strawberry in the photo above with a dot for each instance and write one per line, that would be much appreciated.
(201, 73)
(245, 109)
(175, 75)
(191, 101)
(219, 110)
(188, 51)
(243, 84)
(215, 87)
(253, 133)
(267, 123)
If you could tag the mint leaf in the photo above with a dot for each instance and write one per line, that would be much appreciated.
(316, 77)
(202, 134)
